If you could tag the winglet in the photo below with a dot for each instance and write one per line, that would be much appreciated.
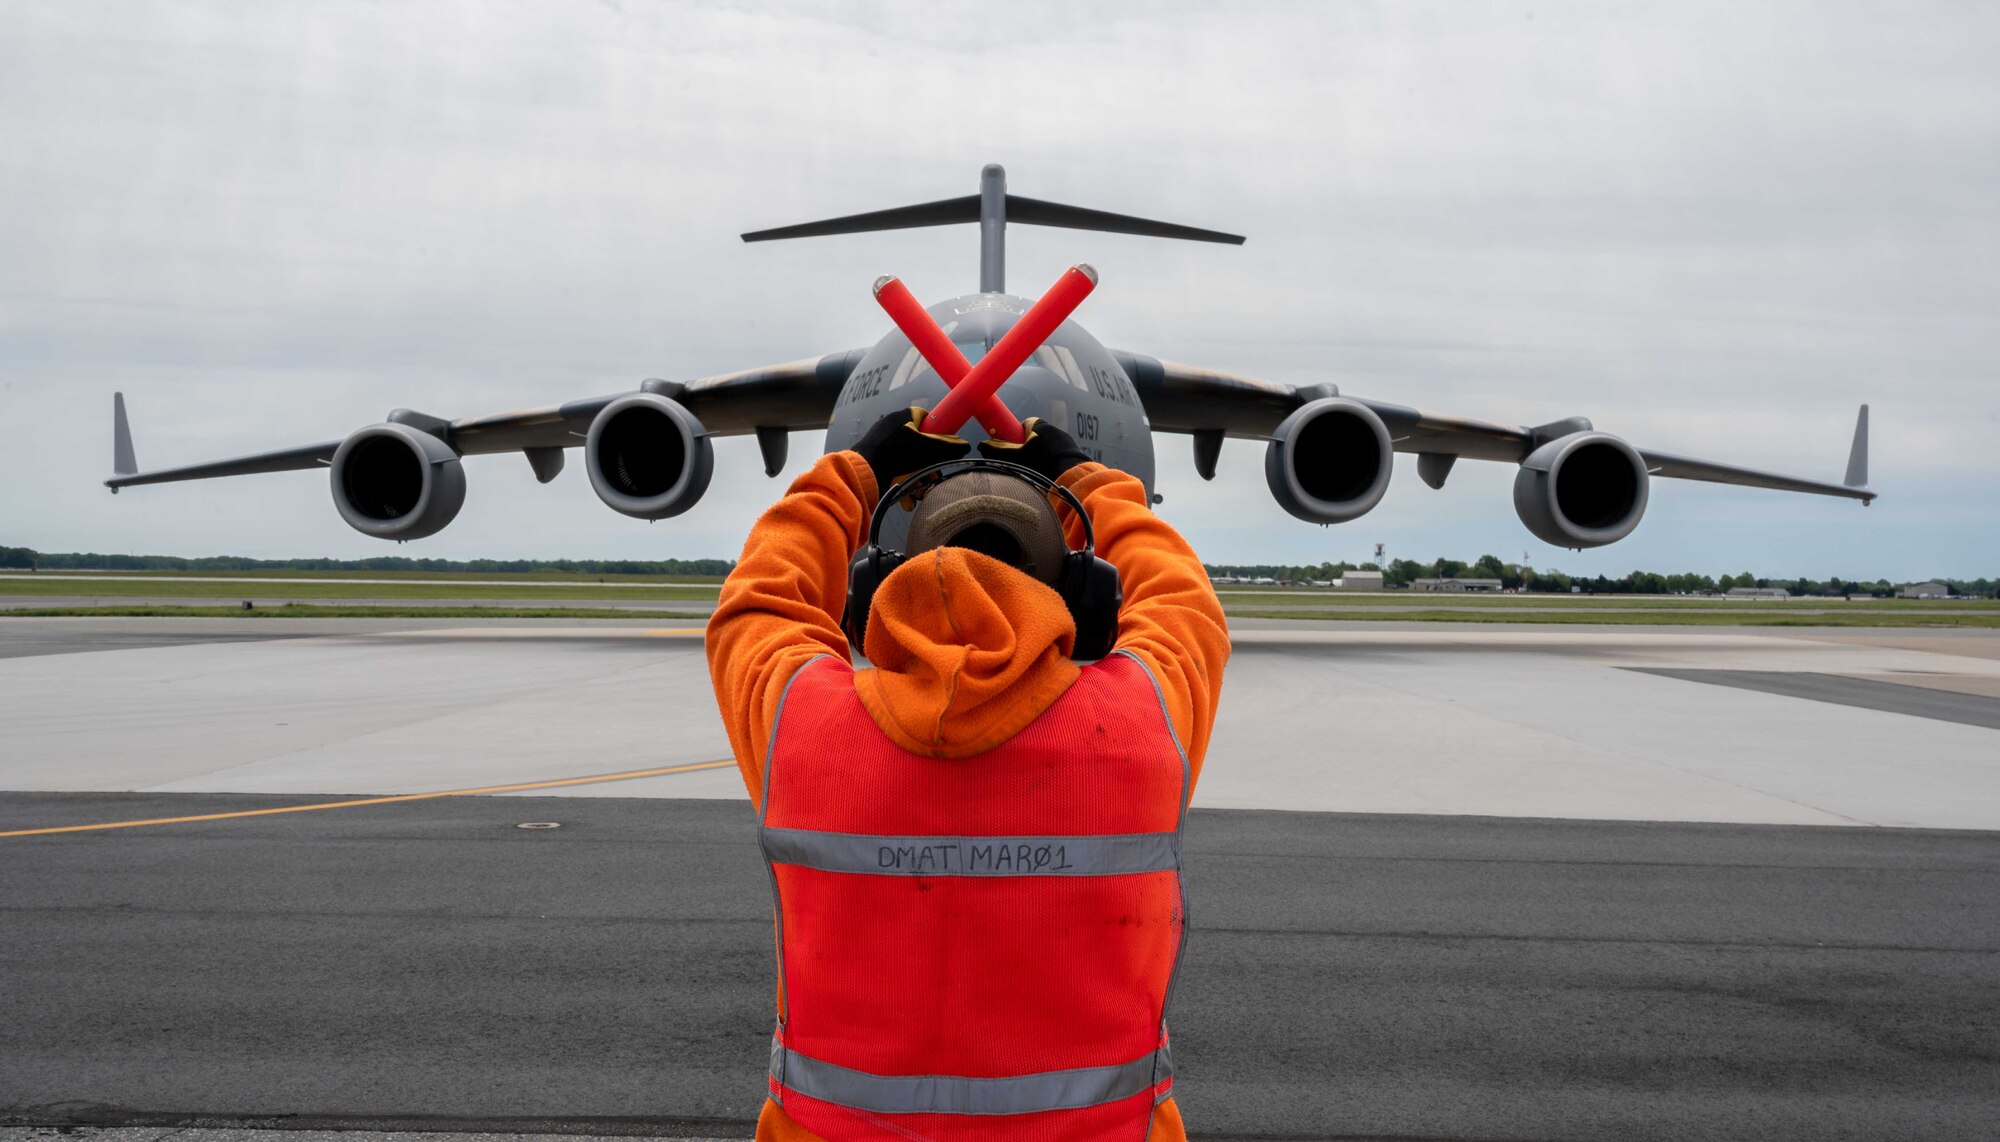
(123, 463)
(1857, 456)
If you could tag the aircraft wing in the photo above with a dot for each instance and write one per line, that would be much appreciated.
(793, 395)
(1211, 404)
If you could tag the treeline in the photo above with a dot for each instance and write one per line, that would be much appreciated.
(1402, 572)
(28, 558)
(1399, 572)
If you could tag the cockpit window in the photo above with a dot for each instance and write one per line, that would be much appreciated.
(1049, 357)
(911, 365)
(1070, 369)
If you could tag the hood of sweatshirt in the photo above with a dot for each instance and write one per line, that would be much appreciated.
(966, 652)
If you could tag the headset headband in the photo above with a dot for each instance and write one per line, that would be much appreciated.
(937, 474)
(1088, 585)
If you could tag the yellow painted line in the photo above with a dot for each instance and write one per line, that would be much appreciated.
(374, 800)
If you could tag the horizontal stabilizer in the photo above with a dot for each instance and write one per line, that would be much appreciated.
(993, 208)
(942, 213)
(1035, 212)
(1024, 211)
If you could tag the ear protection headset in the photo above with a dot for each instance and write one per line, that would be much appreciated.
(1088, 585)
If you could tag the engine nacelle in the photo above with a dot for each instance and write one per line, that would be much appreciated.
(392, 481)
(648, 456)
(1586, 489)
(1329, 461)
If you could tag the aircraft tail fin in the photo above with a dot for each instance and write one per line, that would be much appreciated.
(993, 208)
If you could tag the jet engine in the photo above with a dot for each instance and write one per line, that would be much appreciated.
(1329, 461)
(1586, 489)
(393, 481)
(648, 456)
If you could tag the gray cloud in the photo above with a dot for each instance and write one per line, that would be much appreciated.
(1715, 228)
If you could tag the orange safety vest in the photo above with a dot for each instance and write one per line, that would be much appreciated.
(981, 948)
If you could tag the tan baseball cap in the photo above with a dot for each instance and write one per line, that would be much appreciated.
(994, 514)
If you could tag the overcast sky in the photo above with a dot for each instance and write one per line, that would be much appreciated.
(1714, 229)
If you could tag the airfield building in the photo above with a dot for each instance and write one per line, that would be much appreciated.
(1455, 585)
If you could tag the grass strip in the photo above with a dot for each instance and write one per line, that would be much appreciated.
(1271, 597)
(584, 577)
(1634, 618)
(336, 611)
(1532, 618)
(603, 589)
(280, 589)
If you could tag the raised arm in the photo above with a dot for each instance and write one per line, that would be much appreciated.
(1171, 617)
(780, 606)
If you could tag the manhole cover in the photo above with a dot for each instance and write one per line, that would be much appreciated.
(539, 825)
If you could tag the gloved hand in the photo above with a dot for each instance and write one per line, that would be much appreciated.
(896, 447)
(1048, 449)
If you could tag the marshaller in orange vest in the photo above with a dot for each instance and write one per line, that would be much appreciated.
(975, 841)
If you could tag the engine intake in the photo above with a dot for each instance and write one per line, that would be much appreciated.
(1586, 489)
(1329, 461)
(392, 481)
(648, 456)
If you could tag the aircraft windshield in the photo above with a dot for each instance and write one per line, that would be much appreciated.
(913, 365)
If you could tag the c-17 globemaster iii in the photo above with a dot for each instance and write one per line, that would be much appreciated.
(648, 452)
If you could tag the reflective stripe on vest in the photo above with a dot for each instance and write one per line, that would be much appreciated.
(953, 1094)
(972, 856)
(906, 987)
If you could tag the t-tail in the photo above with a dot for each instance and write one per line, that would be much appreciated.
(993, 208)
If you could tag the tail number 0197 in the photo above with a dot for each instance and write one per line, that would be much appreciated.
(1086, 426)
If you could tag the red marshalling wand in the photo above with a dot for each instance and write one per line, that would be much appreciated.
(973, 386)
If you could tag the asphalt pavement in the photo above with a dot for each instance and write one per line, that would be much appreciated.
(1866, 693)
(429, 965)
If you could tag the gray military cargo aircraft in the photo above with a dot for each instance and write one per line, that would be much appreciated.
(648, 452)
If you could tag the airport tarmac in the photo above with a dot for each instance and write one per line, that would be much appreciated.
(1618, 723)
(1450, 882)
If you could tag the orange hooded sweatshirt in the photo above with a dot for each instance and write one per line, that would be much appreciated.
(966, 650)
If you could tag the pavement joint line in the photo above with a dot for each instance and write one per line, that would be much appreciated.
(358, 802)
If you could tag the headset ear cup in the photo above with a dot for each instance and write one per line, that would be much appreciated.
(1091, 589)
(865, 573)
